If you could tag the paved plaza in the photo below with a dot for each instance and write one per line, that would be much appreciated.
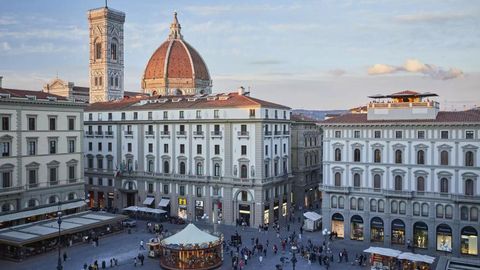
(125, 247)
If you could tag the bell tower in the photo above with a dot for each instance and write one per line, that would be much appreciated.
(106, 69)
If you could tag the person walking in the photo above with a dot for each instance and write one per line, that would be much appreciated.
(135, 262)
(142, 247)
(142, 258)
(260, 259)
(64, 256)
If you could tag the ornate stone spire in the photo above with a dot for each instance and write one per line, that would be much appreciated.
(175, 28)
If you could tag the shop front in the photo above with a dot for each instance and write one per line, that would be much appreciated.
(376, 230)
(284, 208)
(244, 214)
(182, 208)
(266, 214)
(101, 199)
(469, 241)
(356, 225)
(338, 226)
(444, 238)
(398, 232)
(110, 198)
(199, 210)
(420, 235)
(276, 211)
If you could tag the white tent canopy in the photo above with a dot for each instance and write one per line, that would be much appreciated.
(190, 235)
(164, 203)
(148, 200)
(144, 209)
(416, 257)
(383, 251)
(312, 216)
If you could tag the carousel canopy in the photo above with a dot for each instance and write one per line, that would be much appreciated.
(383, 251)
(312, 216)
(190, 235)
(416, 257)
(144, 209)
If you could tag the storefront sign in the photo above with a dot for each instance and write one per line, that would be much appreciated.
(357, 219)
(444, 229)
(420, 226)
(377, 222)
(182, 201)
(337, 217)
(398, 224)
(469, 231)
(199, 204)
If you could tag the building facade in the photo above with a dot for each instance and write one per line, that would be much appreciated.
(106, 68)
(221, 156)
(404, 171)
(41, 161)
(306, 161)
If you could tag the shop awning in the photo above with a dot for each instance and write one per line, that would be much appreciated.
(41, 211)
(148, 201)
(163, 202)
(144, 210)
(190, 235)
(383, 251)
(416, 257)
(312, 216)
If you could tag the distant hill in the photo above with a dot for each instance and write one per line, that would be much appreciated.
(318, 114)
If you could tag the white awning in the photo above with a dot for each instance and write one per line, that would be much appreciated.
(416, 257)
(190, 235)
(44, 210)
(163, 202)
(148, 200)
(312, 216)
(144, 210)
(383, 251)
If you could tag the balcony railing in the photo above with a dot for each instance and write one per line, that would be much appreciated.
(216, 133)
(428, 104)
(198, 133)
(128, 133)
(268, 133)
(243, 134)
(277, 132)
(109, 133)
(98, 133)
(165, 133)
(89, 133)
(286, 132)
(150, 133)
(181, 133)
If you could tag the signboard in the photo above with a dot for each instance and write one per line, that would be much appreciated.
(182, 201)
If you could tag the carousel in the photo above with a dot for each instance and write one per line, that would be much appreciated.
(191, 248)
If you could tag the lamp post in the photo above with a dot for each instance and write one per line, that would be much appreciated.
(136, 218)
(326, 235)
(294, 259)
(59, 221)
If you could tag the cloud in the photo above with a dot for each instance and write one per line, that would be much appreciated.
(266, 62)
(219, 9)
(7, 20)
(64, 33)
(415, 66)
(431, 17)
(4, 46)
(337, 72)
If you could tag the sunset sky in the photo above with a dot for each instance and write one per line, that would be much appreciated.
(304, 54)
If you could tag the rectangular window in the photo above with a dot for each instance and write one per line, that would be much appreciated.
(244, 150)
(165, 189)
(199, 192)
(150, 147)
(71, 123)
(90, 181)
(32, 123)
(165, 115)
(99, 146)
(6, 179)
(266, 150)
(216, 129)
(181, 114)
(182, 129)
(53, 176)
(110, 116)
(356, 134)
(72, 173)
(129, 147)
(109, 164)
(150, 115)
(100, 163)
(150, 187)
(5, 123)
(377, 134)
(469, 134)
(52, 123)
(100, 181)
(52, 146)
(199, 129)
(199, 149)
(90, 163)
(338, 134)
(198, 114)
(444, 134)
(135, 115)
(275, 150)
(266, 113)
(123, 116)
(276, 114)
(109, 147)
(217, 149)
(110, 182)
(71, 145)
(284, 148)
(32, 178)
(182, 148)
(420, 134)
(90, 146)
(216, 114)
(252, 112)
(182, 191)
(165, 148)
(398, 134)
(5, 148)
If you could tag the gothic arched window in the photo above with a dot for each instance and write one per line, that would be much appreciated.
(469, 158)
(469, 187)
(98, 50)
(377, 156)
(338, 154)
(113, 50)
(420, 184)
(398, 183)
(444, 185)
(420, 157)
(338, 179)
(444, 157)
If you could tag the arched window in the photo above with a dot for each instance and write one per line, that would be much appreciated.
(199, 169)
(360, 204)
(353, 203)
(71, 196)
(469, 187)
(425, 210)
(98, 50)
(377, 182)
(444, 157)
(377, 156)
(182, 167)
(420, 184)
(381, 206)
(420, 157)
(444, 185)
(52, 199)
(32, 203)
(449, 212)
(356, 180)
(402, 207)
(373, 205)
(398, 183)
(338, 179)
(341, 202)
(398, 156)
(356, 155)
(439, 211)
(166, 167)
(394, 207)
(113, 50)
(6, 207)
(469, 159)
(338, 154)
(150, 165)
(416, 209)
(216, 169)
(243, 171)
(333, 202)
(474, 213)
(464, 213)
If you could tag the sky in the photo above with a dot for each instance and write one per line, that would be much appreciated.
(323, 54)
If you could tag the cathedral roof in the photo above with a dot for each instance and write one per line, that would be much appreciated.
(176, 59)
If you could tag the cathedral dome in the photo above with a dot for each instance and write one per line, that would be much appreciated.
(176, 67)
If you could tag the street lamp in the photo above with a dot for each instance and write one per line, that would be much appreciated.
(294, 259)
(59, 221)
(136, 218)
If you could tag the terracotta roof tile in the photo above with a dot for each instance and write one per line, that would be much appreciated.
(442, 117)
(18, 93)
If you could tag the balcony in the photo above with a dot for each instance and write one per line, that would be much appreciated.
(286, 132)
(182, 133)
(431, 104)
(109, 134)
(98, 134)
(216, 134)
(128, 134)
(198, 134)
(165, 134)
(88, 134)
(243, 134)
(268, 133)
(150, 134)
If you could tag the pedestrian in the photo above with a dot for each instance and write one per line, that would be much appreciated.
(104, 264)
(142, 258)
(288, 227)
(260, 259)
(246, 258)
(85, 266)
(340, 257)
(142, 247)
(64, 256)
(265, 252)
(135, 261)
(111, 262)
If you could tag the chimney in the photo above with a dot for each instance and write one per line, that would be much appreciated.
(241, 91)
(1, 78)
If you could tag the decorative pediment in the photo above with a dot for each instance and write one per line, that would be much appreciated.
(101, 156)
(377, 146)
(398, 172)
(166, 157)
(6, 137)
(420, 173)
(398, 146)
(7, 166)
(357, 169)
(109, 156)
(357, 145)
(445, 147)
(53, 163)
(470, 175)
(469, 147)
(32, 165)
(72, 162)
(150, 156)
(377, 170)
(444, 174)
(337, 169)
(199, 158)
(182, 158)
(217, 159)
(244, 160)
(337, 144)
(127, 156)
(420, 146)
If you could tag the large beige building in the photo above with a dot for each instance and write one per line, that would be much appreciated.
(41, 161)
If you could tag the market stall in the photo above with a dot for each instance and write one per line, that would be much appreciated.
(411, 261)
(191, 248)
(382, 258)
(312, 221)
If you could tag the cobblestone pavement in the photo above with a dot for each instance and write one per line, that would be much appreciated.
(125, 247)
